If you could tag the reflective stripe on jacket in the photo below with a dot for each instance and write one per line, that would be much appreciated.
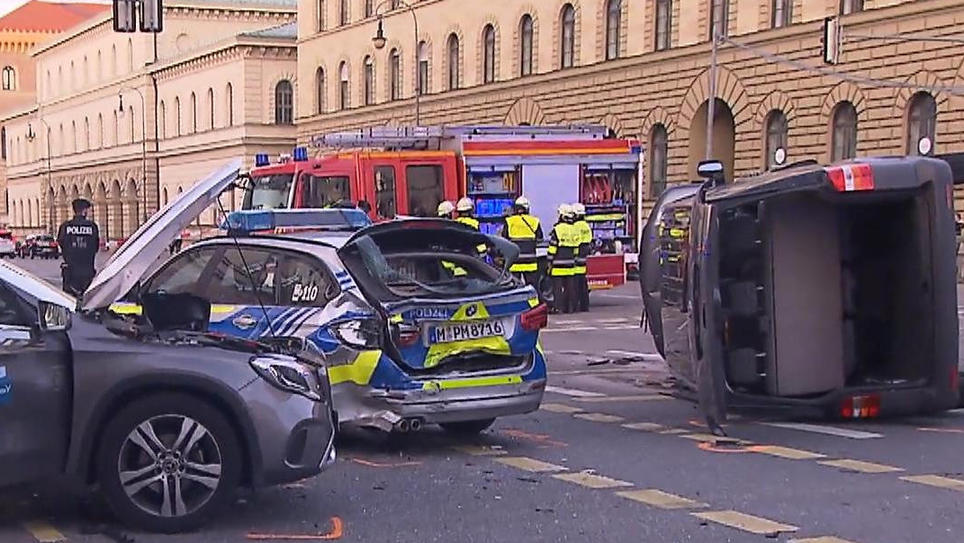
(474, 223)
(585, 241)
(563, 247)
(525, 231)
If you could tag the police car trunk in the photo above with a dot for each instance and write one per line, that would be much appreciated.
(447, 312)
(831, 287)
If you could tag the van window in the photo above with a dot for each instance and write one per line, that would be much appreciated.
(385, 192)
(324, 191)
(424, 189)
(673, 235)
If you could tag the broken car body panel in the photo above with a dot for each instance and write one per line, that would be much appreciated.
(802, 289)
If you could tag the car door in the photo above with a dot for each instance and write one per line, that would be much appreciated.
(35, 393)
(243, 291)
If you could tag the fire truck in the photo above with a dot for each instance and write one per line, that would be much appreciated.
(407, 171)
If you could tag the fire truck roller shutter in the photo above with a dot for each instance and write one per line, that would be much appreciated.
(548, 186)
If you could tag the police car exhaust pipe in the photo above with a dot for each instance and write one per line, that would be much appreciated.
(403, 426)
(415, 425)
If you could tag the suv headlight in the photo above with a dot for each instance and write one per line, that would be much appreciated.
(290, 375)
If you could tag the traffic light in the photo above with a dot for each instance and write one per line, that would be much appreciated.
(128, 13)
(831, 40)
(125, 19)
(152, 15)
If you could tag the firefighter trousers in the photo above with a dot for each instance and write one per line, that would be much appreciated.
(563, 292)
(581, 295)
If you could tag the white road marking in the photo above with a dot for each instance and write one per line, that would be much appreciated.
(635, 354)
(572, 329)
(624, 296)
(573, 392)
(828, 430)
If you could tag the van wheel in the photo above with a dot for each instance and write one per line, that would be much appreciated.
(167, 463)
(466, 428)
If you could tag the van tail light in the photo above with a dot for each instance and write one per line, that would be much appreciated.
(851, 177)
(535, 318)
(860, 407)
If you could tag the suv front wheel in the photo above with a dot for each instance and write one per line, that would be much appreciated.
(167, 463)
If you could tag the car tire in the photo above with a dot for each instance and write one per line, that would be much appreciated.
(209, 455)
(468, 427)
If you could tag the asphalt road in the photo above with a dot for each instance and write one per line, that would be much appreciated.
(609, 457)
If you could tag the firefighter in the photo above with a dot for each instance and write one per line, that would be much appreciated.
(563, 246)
(585, 242)
(445, 209)
(79, 240)
(465, 214)
(525, 231)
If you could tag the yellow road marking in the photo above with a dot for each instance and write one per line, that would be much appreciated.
(43, 532)
(824, 539)
(480, 450)
(663, 500)
(747, 523)
(529, 464)
(598, 417)
(559, 408)
(633, 398)
(590, 480)
(861, 466)
(786, 452)
(936, 480)
(644, 426)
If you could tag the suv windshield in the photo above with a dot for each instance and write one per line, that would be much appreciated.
(268, 192)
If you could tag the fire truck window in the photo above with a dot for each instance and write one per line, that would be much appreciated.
(326, 191)
(424, 189)
(268, 192)
(385, 191)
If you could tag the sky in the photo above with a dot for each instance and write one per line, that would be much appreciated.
(6, 6)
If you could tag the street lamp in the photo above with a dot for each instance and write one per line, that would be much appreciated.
(379, 41)
(31, 135)
(120, 114)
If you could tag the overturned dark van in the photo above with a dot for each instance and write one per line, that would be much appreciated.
(819, 291)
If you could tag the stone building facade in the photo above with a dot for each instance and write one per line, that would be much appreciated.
(642, 69)
(130, 120)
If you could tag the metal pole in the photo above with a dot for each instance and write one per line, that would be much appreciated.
(711, 103)
(143, 186)
(418, 74)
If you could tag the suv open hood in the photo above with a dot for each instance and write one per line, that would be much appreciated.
(32, 287)
(143, 248)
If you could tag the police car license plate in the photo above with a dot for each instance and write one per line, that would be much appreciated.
(448, 333)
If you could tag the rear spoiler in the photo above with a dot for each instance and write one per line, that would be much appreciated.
(956, 162)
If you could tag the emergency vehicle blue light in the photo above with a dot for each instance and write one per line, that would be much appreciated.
(257, 220)
(300, 154)
(261, 159)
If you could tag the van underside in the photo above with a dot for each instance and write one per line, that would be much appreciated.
(822, 291)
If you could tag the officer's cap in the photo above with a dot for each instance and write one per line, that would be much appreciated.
(80, 204)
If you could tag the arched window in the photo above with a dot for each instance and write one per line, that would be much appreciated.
(320, 90)
(453, 54)
(320, 22)
(284, 109)
(177, 116)
(100, 130)
(659, 150)
(422, 68)
(344, 99)
(369, 7)
(614, 17)
(664, 24)
(843, 139)
(781, 13)
(344, 14)
(776, 139)
(130, 55)
(162, 122)
(210, 108)
(3, 142)
(229, 103)
(193, 105)
(525, 45)
(130, 121)
(9, 77)
(73, 136)
(488, 54)
(369, 79)
(86, 134)
(99, 69)
(113, 60)
(85, 74)
(851, 6)
(921, 124)
(568, 37)
(719, 17)
(395, 74)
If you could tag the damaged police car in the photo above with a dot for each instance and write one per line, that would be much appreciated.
(165, 416)
(408, 341)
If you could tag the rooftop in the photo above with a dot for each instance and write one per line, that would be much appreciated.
(38, 16)
(286, 30)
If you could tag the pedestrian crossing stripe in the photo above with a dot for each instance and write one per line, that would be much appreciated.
(936, 481)
(529, 464)
(860, 466)
(598, 417)
(660, 499)
(747, 523)
(590, 480)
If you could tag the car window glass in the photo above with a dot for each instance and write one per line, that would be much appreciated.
(424, 189)
(10, 312)
(182, 276)
(673, 235)
(305, 282)
(385, 191)
(231, 283)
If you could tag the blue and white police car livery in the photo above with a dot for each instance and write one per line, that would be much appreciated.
(407, 342)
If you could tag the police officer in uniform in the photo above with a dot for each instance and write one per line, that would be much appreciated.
(525, 231)
(79, 240)
(563, 246)
(585, 242)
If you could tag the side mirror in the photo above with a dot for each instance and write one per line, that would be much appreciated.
(52, 317)
(711, 170)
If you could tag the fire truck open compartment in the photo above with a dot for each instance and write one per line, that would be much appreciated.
(821, 291)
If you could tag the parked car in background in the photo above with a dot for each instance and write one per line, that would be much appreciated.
(8, 246)
(42, 246)
(167, 418)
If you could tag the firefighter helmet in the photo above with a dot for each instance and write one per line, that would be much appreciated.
(565, 210)
(445, 209)
(579, 210)
(522, 202)
(465, 205)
